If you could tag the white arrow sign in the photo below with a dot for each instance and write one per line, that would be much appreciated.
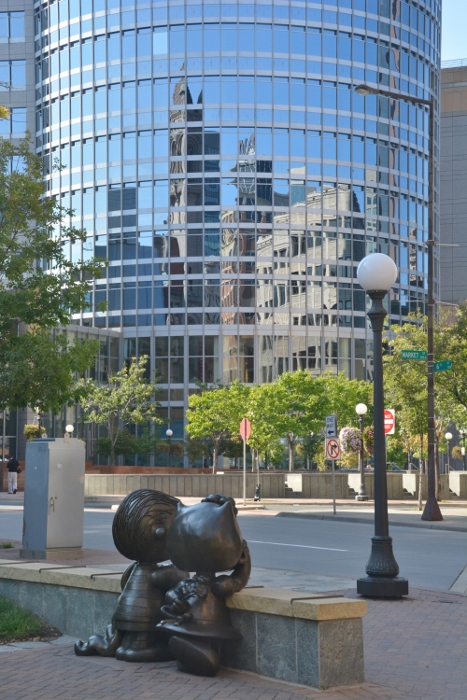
(331, 426)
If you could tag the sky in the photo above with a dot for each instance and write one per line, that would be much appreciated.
(454, 41)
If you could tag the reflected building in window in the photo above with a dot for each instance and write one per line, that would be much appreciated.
(220, 159)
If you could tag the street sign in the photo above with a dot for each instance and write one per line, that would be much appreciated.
(333, 449)
(245, 429)
(442, 366)
(331, 426)
(413, 354)
(389, 421)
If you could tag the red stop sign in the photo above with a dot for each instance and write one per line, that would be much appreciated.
(389, 421)
(245, 429)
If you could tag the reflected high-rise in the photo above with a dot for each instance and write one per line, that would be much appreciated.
(220, 159)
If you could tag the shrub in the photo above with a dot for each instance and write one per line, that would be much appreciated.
(30, 431)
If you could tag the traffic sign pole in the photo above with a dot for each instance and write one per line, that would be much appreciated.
(244, 472)
(333, 486)
(333, 452)
(245, 430)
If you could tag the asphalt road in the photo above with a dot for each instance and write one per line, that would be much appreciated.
(429, 559)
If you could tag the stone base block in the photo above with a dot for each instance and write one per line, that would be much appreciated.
(380, 587)
(55, 553)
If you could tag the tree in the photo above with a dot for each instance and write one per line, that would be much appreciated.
(405, 380)
(216, 414)
(452, 384)
(197, 448)
(39, 369)
(341, 396)
(40, 288)
(127, 399)
(289, 408)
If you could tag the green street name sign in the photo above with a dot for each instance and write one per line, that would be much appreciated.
(442, 366)
(413, 354)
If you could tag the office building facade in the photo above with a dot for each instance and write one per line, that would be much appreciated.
(453, 182)
(221, 160)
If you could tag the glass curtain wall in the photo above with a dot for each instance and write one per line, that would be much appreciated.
(220, 159)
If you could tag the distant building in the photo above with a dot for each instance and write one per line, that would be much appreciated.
(453, 182)
(219, 157)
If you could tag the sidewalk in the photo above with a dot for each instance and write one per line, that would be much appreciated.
(415, 648)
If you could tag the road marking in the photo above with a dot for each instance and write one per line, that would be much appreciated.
(302, 546)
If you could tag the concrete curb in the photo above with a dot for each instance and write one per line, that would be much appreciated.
(369, 521)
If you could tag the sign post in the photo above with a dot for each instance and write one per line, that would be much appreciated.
(245, 430)
(333, 452)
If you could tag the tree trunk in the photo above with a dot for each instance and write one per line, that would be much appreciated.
(291, 455)
(215, 456)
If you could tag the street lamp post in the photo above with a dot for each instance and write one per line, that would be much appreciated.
(376, 274)
(462, 432)
(168, 434)
(431, 510)
(448, 437)
(361, 409)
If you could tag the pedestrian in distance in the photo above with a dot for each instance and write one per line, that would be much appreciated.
(13, 471)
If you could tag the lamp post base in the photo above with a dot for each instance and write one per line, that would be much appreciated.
(382, 587)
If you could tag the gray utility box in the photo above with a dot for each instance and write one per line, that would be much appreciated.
(53, 499)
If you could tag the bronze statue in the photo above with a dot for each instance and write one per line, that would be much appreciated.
(204, 538)
(139, 530)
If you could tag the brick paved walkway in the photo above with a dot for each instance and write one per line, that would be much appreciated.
(415, 649)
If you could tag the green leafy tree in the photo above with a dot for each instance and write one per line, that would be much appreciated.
(451, 385)
(311, 445)
(289, 408)
(127, 399)
(198, 448)
(405, 380)
(216, 414)
(341, 395)
(40, 288)
(31, 431)
(40, 369)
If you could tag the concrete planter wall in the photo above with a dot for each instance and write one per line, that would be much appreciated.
(191, 485)
(458, 485)
(303, 638)
(319, 485)
(401, 485)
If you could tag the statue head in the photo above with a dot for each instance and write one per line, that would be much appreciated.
(141, 524)
(205, 537)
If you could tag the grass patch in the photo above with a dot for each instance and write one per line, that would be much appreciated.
(19, 625)
(7, 545)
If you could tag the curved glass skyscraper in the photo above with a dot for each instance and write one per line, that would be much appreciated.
(221, 160)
